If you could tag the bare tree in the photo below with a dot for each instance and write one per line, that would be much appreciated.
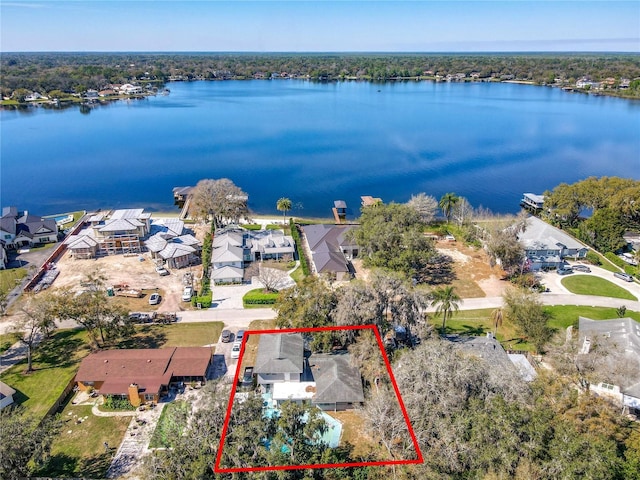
(462, 211)
(220, 200)
(35, 323)
(271, 275)
(425, 205)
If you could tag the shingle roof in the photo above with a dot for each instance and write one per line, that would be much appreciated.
(227, 253)
(539, 235)
(336, 380)
(227, 272)
(280, 353)
(624, 336)
(148, 368)
(488, 349)
(325, 243)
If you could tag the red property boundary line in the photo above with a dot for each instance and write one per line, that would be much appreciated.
(373, 328)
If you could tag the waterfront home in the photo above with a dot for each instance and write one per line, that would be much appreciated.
(546, 246)
(621, 339)
(235, 248)
(171, 244)
(331, 249)
(328, 381)
(120, 231)
(19, 229)
(142, 375)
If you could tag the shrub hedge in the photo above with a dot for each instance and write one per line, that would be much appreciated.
(258, 297)
(295, 233)
(204, 300)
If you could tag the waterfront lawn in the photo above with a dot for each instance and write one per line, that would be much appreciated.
(78, 450)
(55, 363)
(590, 285)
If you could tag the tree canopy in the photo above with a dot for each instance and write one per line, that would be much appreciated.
(220, 200)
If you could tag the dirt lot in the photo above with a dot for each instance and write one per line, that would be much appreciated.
(129, 270)
(475, 278)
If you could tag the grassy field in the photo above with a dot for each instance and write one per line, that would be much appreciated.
(174, 335)
(590, 285)
(10, 278)
(78, 450)
(6, 340)
(478, 322)
(55, 363)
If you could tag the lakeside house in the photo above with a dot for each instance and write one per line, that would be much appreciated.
(130, 231)
(331, 249)
(532, 201)
(20, 229)
(286, 373)
(546, 246)
(142, 375)
(621, 339)
(234, 248)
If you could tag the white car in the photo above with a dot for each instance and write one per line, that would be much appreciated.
(235, 350)
(154, 299)
(187, 293)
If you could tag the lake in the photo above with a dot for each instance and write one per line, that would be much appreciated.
(316, 143)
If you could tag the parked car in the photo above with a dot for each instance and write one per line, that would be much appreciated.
(247, 377)
(187, 293)
(154, 299)
(162, 271)
(564, 270)
(582, 268)
(239, 336)
(226, 336)
(623, 276)
(235, 350)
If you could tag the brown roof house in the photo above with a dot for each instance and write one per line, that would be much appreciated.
(142, 375)
(328, 381)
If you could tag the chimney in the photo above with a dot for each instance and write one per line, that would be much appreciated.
(134, 396)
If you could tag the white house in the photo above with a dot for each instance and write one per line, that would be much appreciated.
(18, 229)
(546, 246)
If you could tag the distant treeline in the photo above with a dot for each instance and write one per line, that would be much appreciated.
(77, 72)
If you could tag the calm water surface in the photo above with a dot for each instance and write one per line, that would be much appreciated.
(316, 143)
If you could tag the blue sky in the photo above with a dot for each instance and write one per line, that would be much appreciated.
(319, 26)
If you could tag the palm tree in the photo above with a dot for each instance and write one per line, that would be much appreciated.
(447, 202)
(445, 300)
(497, 316)
(283, 205)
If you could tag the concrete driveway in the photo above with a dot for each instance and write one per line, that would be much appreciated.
(229, 297)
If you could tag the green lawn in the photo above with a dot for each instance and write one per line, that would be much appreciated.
(590, 285)
(55, 363)
(297, 275)
(174, 335)
(78, 450)
(6, 340)
(478, 322)
(11, 277)
(172, 422)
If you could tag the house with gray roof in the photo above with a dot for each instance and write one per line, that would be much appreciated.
(171, 245)
(328, 381)
(280, 358)
(19, 229)
(490, 351)
(6, 395)
(234, 248)
(546, 246)
(331, 249)
(623, 341)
